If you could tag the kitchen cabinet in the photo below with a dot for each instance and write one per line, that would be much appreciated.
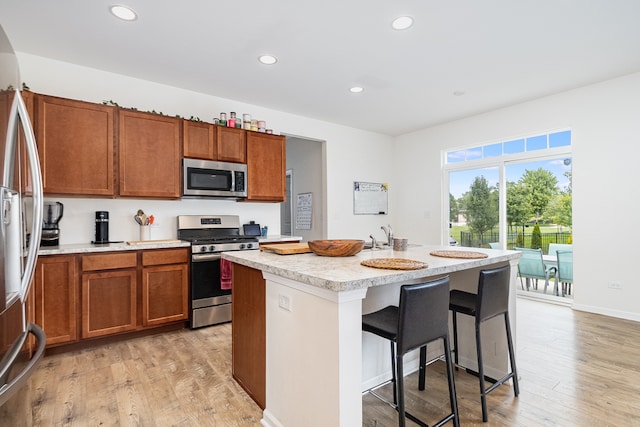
(165, 286)
(231, 144)
(266, 167)
(249, 332)
(84, 296)
(76, 146)
(109, 289)
(149, 155)
(199, 140)
(56, 298)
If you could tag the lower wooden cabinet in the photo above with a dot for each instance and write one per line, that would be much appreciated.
(249, 332)
(56, 298)
(165, 286)
(108, 302)
(94, 295)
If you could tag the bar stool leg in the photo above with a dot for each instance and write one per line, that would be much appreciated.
(512, 358)
(422, 371)
(400, 383)
(394, 378)
(455, 339)
(452, 385)
(483, 393)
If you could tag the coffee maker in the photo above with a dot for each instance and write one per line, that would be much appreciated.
(51, 215)
(102, 227)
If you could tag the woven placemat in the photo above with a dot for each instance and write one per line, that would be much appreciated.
(458, 254)
(394, 263)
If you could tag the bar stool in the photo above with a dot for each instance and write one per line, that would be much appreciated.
(421, 317)
(492, 300)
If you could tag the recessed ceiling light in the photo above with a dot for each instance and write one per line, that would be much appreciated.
(268, 59)
(356, 89)
(123, 12)
(458, 92)
(402, 23)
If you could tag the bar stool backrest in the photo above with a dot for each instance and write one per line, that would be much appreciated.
(423, 314)
(493, 293)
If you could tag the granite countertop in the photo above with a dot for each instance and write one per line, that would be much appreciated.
(346, 273)
(110, 247)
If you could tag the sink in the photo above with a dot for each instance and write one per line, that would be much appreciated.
(379, 246)
(386, 247)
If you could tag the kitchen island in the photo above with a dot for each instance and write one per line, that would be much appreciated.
(315, 369)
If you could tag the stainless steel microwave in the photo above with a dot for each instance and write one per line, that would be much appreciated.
(204, 178)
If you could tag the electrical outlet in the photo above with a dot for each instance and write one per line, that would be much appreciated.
(284, 302)
(614, 285)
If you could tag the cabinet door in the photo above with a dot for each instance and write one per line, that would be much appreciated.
(266, 167)
(56, 298)
(248, 332)
(150, 153)
(232, 144)
(165, 294)
(75, 143)
(108, 302)
(199, 140)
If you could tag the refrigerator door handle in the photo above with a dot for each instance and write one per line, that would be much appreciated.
(19, 114)
(7, 390)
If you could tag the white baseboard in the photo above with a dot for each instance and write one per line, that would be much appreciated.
(627, 315)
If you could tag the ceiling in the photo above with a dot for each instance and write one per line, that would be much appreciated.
(460, 58)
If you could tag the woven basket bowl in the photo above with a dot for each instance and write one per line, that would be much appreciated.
(343, 247)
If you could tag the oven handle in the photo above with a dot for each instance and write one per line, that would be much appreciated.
(205, 257)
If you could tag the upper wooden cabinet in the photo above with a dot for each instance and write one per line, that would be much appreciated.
(199, 140)
(150, 152)
(232, 144)
(212, 142)
(266, 167)
(75, 145)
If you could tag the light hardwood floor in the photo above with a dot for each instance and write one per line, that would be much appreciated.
(576, 369)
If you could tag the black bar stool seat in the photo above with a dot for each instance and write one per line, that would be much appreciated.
(421, 317)
(491, 300)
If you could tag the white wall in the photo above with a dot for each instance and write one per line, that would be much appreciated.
(606, 133)
(352, 154)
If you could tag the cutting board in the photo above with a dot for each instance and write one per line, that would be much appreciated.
(286, 248)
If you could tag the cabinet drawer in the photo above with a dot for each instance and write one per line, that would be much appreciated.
(109, 261)
(165, 256)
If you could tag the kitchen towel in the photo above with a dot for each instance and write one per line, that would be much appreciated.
(226, 274)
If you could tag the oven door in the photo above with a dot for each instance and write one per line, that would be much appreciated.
(206, 287)
(210, 304)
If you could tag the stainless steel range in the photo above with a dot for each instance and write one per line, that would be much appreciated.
(210, 282)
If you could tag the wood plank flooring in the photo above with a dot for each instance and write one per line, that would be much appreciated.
(576, 369)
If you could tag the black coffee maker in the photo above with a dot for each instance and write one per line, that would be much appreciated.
(102, 227)
(51, 215)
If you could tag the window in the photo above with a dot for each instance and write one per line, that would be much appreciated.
(523, 145)
(493, 194)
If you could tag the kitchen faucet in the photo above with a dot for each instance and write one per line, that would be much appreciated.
(373, 241)
(389, 233)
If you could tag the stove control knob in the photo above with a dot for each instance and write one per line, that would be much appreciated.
(212, 248)
(203, 249)
(249, 245)
(242, 245)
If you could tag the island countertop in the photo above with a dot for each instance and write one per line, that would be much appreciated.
(346, 273)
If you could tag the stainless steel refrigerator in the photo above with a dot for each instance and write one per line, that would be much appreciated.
(21, 342)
